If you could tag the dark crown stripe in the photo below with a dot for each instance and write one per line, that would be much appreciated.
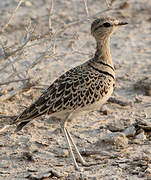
(103, 72)
(100, 62)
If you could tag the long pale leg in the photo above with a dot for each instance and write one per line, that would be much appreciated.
(77, 151)
(70, 148)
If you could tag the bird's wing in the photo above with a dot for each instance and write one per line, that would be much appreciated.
(76, 88)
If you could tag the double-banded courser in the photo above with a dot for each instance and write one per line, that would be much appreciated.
(85, 87)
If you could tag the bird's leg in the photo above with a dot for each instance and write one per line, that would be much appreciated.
(70, 148)
(76, 149)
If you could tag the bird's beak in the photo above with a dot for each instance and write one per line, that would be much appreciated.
(121, 23)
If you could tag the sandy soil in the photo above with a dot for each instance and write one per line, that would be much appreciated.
(118, 136)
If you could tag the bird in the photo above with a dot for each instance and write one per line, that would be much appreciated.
(82, 88)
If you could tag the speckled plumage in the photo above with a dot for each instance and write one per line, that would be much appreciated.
(85, 87)
(79, 87)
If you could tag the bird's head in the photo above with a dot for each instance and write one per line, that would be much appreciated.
(104, 27)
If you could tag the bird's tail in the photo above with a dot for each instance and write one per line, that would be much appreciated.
(20, 126)
(26, 116)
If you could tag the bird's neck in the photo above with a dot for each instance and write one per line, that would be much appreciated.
(102, 53)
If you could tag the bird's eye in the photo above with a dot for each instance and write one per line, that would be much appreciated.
(106, 24)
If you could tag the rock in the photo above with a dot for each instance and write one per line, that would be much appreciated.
(114, 127)
(144, 86)
(141, 136)
(28, 4)
(46, 174)
(148, 170)
(116, 138)
(130, 131)
(143, 124)
(105, 111)
(121, 102)
(124, 5)
(63, 153)
(147, 151)
(28, 156)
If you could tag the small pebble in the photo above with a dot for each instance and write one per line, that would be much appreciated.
(63, 153)
(114, 127)
(148, 170)
(137, 141)
(141, 136)
(125, 5)
(130, 131)
(116, 138)
(28, 4)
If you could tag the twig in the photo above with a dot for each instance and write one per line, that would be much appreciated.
(4, 129)
(11, 93)
(13, 67)
(86, 7)
(107, 3)
(15, 91)
(9, 64)
(37, 37)
(50, 27)
(68, 26)
(50, 14)
(94, 152)
(32, 38)
(37, 61)
(13, 81)
(2, 50)
(4, 116)
(13, 14)
(7, 54)
(82, 20)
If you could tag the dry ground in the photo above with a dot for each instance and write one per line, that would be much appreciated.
(117, 137)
